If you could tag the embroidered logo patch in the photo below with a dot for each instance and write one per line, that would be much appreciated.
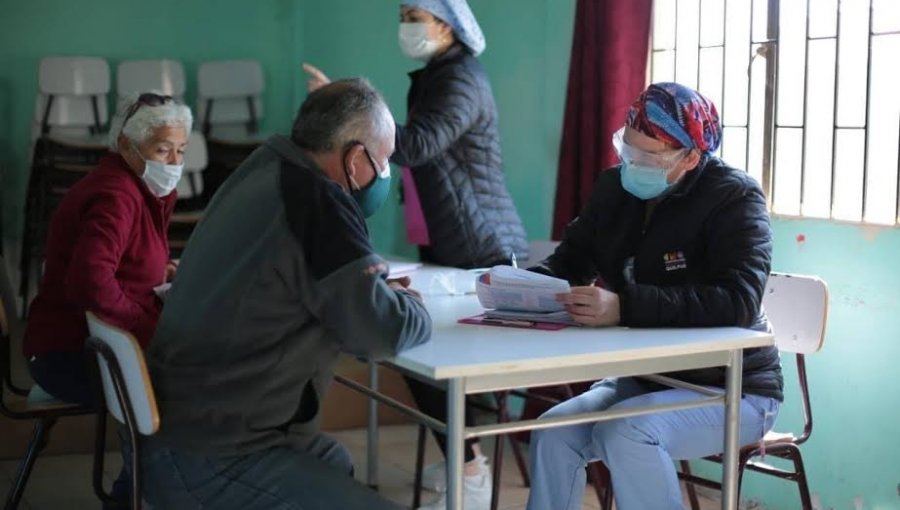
(675, 260)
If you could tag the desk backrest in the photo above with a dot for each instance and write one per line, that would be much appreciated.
(797, 307)
(117, 349)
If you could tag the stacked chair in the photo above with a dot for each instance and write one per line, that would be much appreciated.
(67, 135)
(229, 109)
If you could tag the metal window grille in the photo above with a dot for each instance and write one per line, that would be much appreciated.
(807, 92)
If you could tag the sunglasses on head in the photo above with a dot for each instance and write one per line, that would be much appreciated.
(147, 98)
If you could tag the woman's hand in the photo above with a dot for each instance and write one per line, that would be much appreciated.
(592, 306)
(317, 78)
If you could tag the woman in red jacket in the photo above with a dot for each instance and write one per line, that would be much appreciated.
(107, 246)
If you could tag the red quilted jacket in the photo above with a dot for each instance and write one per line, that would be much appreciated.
(106, 250)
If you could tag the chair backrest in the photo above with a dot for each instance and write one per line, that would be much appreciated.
(229, 92)
(72, 93)
(195, 161)
(122, 366)
(797, 307)
(162, 76)
(10, 326)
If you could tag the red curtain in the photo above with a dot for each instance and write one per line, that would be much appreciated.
(606, 74)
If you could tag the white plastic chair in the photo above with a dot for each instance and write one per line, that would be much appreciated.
(32, 403)
(127, 390)
(71, 99)
(797, 307)
(229, 103)
(191, 199)
(161, 76)
(195, 161)
(69, 116)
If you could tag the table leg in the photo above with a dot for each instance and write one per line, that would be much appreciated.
(733, 383)
(456, 412)
(372, 431)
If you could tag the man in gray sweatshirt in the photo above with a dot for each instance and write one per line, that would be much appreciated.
(276, 281)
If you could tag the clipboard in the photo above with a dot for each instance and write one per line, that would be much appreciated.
(481, 320)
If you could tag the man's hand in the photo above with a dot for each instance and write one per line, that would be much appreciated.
(317, 78)
(592, 306)
(403, 284)
(171, 269)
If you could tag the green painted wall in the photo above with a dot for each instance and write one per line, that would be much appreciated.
(854, 450)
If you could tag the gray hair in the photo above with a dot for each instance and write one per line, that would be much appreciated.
(145, 120)
(344, 111)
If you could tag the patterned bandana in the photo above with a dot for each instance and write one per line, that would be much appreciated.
(678, 116)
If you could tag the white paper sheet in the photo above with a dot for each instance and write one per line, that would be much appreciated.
(512, 289)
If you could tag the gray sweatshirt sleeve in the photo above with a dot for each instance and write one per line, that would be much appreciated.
(345, 286)
(368, 317)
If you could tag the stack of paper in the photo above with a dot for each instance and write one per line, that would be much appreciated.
(516, 294)
(397, 269)
(562, 317)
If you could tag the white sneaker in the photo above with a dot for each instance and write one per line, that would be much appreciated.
(477, 491)
(434, 476)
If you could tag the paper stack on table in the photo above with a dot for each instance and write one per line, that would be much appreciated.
(509, 293)
(397, 268)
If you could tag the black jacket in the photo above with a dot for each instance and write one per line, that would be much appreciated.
(452, 144)
(701, 257)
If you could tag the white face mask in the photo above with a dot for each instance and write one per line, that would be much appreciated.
(160, 177)
(415, 43)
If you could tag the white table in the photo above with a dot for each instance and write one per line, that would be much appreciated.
(475, 359)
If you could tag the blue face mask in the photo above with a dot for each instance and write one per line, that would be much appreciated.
(644, 182)
(372, 196)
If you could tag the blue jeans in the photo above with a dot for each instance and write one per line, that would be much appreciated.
(639, 450)
(317, 474)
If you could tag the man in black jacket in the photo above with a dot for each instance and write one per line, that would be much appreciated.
(675, 238)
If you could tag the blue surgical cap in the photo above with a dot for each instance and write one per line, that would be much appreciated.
(458, 15)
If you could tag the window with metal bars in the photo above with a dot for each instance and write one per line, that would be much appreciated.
(808, 92)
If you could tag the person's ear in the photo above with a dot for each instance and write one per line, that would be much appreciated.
(444, 30)
(129, 153)
(354, 160)
(122, 143)
(691, 161)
